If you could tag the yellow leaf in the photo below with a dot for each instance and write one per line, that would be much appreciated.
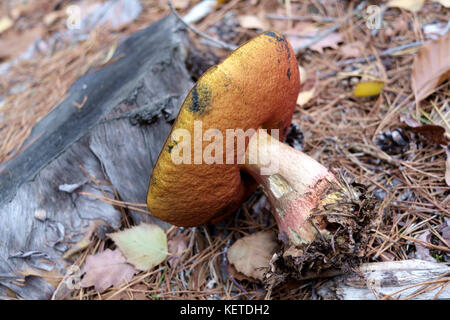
(431, 67)
(410, 5)
(5, 24)
(144, 246)
(368, 89)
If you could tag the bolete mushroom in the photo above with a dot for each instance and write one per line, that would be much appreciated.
(253, 90)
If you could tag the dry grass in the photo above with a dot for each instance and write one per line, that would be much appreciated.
(341, 131)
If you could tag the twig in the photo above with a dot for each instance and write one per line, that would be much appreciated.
(299, 18)
(220, 43)
(382, 54)
(321, 35)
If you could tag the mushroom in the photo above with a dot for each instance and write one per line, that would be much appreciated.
(252, 91)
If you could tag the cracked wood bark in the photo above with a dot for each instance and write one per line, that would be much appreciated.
(115, 139)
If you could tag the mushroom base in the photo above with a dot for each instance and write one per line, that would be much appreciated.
(323, 221)
(347, 217)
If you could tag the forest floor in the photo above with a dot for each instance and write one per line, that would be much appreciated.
(392, 141)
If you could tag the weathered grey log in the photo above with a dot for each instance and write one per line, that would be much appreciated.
(114, 139)
(401, 279)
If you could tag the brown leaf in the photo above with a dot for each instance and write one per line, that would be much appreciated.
(106, 269)
(308, 88)
(177, 247)
(251, 254)
(422, 252)
(400, 26)
(252, 22)
(352, 50)
(237, 275)
(135, 292)
(13, 45)
(5, 24)
(431, 67)
(410, 5)
(309, 32)
(445, 3)
(433, 133)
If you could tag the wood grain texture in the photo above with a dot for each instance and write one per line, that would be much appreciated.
(115, 138)
(401, 279)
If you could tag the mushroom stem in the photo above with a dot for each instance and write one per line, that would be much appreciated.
(294, 183)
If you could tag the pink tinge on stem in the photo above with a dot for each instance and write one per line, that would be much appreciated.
(294, 184)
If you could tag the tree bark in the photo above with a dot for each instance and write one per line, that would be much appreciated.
(111, 143)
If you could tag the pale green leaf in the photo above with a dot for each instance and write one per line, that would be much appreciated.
(144, 246)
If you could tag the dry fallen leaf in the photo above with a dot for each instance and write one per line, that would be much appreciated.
(368, 88)
(13, 45)
(135, 292)
(308, 87)
(251, 254)
(305, 96)
(106, 269)
(144, 246)
(410, 5)
(252, 22)
(177, 247)
(180, 4)
(433, 133)
(445, 3)
(330, 41)
(431, 67)
(303, 74)
(438, 130)
(352, 50)
(422, 252)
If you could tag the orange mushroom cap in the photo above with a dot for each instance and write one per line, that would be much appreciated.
(256, 86)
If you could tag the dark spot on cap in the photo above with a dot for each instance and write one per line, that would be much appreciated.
(171, 144)
(286, 46)
(274, 35)
(199, 100)
(289, 73)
